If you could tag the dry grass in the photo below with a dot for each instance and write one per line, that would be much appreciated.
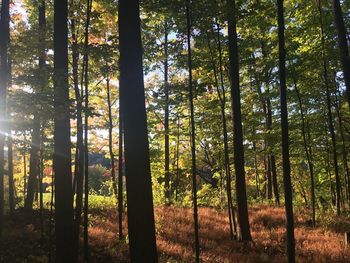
(22, 239)
(175, 237)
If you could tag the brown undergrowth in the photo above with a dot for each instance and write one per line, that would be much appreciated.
(175, 237)
(23, 242)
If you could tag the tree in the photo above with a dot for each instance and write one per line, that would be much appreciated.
(62, 150)
(343, 45)
(285, 135)
(4, 80)
(142, 240)
(241, 194)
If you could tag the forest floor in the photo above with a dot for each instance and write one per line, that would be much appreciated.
(22, 241)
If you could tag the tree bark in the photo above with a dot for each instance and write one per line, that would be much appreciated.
(241, 194)
(62, 142)
(142, 241)
(120, 171)
(193, 129)
(329, 113)
(308, 152)
(4, 45)
(166, 117)
(343, 45)
(288, 196)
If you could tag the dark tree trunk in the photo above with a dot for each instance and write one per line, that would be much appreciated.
(222, 98)
(256, 168)
(269, 178)
(344, 152)
(177, 179)
(274, 179)
(86, 130)
(110, 136)
(241, 194)
(10, 175)
(308, 152)
(288, 196)
(24, 172)
(78, 183)
(343, 45)
(36, 138)
(329, 113)
(62, 142)
(120, 172)
(142, 241)
(4, 74)
(193, 131)
(166, 117)
(33, 163)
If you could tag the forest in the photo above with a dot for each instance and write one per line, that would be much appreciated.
(174, 131)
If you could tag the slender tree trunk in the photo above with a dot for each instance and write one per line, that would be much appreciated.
(86, 130)
(256, 168)
(142, 241)
(193, 131)
(241, 194)
(343, 45)
(24, 173)
(10, 148)
(177, 180)
(10, 175)
(222, 99)
(33, 163)
(344, 152)
(269, 178)
(166, 116)
(41, 176)
(329, 114)
(271, 157)
(78, 182)
(4, 43)
(110, 137)
(288, 196)
(274, 179)
(308, 153)
(62, 142)
(120, 171)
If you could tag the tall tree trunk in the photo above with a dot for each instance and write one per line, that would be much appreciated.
(4, 42)
(142, 241)
(62, 142)
(241, 194)
(308, 152)
(24, 171)
(177, 179)
(166, 117)
(222, 98)
(193, 130)
(271, 157)
(268, 178)
(33, 163)
(343, 45)
(86, 129)
(78, 183)
(288, 196)
(274, 179)
(120, 171)
(256, 168)
(329, 113)
(10, 148)
(344, 152)
(79, 154)
(110, 136)
(10, 175)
